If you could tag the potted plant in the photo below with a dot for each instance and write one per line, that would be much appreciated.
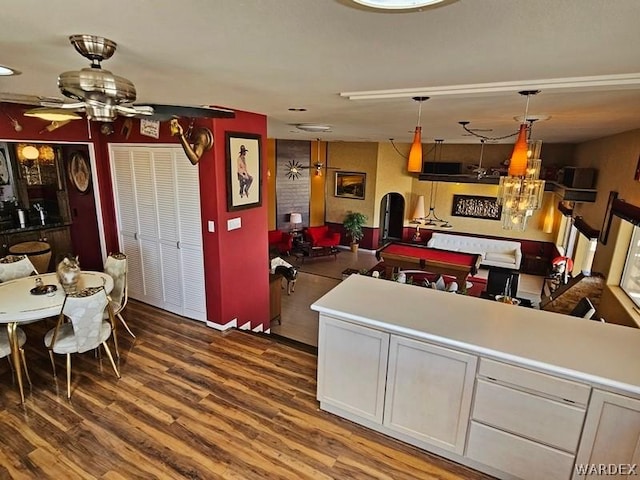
(353, 223)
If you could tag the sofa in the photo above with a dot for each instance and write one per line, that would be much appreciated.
(281, 242)
(494, 252)
(321, 236)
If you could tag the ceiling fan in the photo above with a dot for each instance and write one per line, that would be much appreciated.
(103, 96)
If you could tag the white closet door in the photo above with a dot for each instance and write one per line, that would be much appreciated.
(157, 198)
(168, 234)
(148, 221)
(190, 246)
(127, 218)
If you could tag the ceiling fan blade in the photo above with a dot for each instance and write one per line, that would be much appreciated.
(24, 99)
(61, 104)
(132, 111)
(167, 112)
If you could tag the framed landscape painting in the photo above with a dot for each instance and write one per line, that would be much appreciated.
(350, 185)
(244, 186)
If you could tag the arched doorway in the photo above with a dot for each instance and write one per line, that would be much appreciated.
(391, 217)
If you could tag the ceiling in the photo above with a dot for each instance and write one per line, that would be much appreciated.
(267, 56)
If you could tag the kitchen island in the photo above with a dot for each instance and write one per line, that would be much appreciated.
(511, 391)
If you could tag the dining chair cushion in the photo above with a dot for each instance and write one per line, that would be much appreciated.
(15, 266)
(5, 347)
(87, 329)
(116, 267)
(66, 341)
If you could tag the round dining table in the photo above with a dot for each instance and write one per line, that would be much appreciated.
(19, 306)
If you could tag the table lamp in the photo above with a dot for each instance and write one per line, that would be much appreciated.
(295, 219)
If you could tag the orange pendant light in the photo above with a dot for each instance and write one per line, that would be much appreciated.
(518, 162)
(414, 164)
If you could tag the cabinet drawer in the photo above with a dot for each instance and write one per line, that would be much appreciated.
(537, 418)
(535, 381)
(517, 456)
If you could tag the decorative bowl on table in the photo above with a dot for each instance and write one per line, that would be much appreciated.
(44, 290)
(508, 300)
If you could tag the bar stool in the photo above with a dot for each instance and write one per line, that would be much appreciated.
(38, 252)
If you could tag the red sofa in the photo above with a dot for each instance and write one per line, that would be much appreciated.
(321, 236)
(280, 241)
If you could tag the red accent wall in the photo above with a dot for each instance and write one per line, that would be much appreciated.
(236, 262)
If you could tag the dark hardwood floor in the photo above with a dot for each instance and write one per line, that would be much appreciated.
(192, 403)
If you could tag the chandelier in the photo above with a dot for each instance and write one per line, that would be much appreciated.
(520, 191)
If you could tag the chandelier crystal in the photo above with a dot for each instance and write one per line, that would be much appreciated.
(520, 192)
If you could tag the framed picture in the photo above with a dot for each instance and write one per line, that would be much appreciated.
(350, 185)
(5, 168)
(476, 207)
(79, 172)
(606, 221)
(244, 185)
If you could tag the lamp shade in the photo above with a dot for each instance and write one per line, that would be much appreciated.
(414, 165)
(518, 162)
(295, 218)
(419, 211)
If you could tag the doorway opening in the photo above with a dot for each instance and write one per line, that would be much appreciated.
(391, 217)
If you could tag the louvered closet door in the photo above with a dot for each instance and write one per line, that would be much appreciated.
(157, 200)
(127, 218)
(190, 246)
(146, 204)
(168, 234)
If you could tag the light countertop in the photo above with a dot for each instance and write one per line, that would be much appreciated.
(590, 351)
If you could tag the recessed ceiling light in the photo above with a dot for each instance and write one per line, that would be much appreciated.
(297, 109)
(7, 71)
(313, 127)
(397, 4)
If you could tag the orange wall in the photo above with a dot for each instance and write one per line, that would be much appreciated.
(318, 184)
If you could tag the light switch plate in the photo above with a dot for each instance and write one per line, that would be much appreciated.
(211, 226)
(234, 224)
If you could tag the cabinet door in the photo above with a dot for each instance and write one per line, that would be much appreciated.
(429, 391)
(60, 241)
(611, 434)
(352, 366)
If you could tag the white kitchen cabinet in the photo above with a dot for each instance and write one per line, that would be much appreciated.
(611, 435)
(429, 390)
(352, 368)
(551, 393)
(157, 199)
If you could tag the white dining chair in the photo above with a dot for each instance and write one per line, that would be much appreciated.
(116, 267)
(5, 349)
(86, 329)
(15, 266)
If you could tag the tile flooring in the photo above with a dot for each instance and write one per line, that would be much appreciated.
(319, 275)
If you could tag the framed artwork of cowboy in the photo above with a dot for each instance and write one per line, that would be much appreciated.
(244, 186)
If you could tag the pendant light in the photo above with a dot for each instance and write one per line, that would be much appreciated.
(520, 192)
(414, 165)
(432, 220)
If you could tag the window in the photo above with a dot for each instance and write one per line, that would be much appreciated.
(630, 282)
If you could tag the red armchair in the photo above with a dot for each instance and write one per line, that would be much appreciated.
(322, 237)
(280, 241)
